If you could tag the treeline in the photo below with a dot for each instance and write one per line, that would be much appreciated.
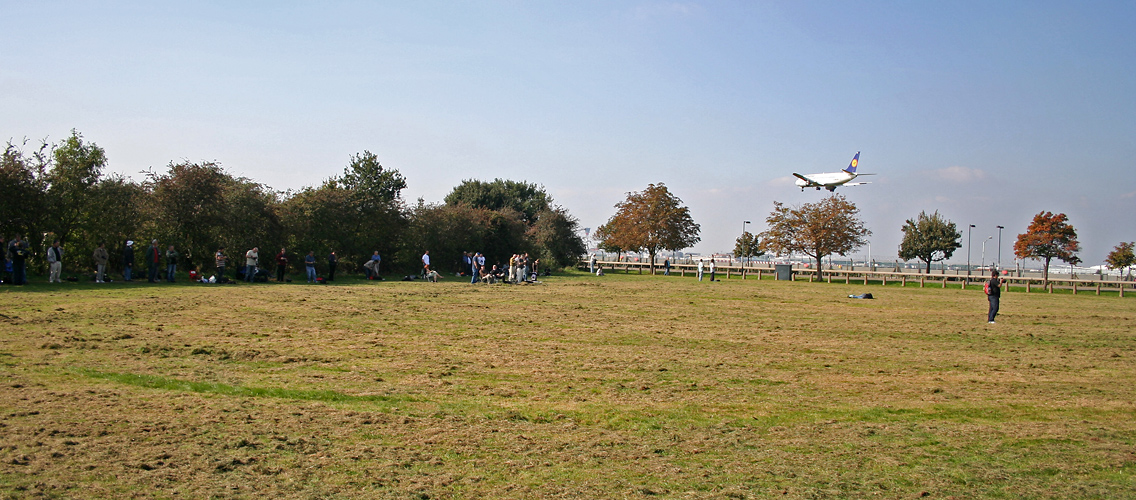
(60, 191)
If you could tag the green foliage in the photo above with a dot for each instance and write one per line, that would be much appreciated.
(198, 207)
(929, 238)
(76, 169)
(448, 230)
(555, 236)
(22, 197)
(1122, 257)
(528, 199)
(747, 245)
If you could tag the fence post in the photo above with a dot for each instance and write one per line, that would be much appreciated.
(884, 280)
(963, 287)
(1098, 288)
(1027, 286)
(903, 281)
(920, 281)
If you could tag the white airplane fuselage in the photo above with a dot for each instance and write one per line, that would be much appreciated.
(827, 180)
(831, 180)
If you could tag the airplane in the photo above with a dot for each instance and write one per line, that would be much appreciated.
(831, 180)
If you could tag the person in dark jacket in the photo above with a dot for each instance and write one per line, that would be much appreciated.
(993, 293)
(332, 261)
(128, 261)
(281, 265)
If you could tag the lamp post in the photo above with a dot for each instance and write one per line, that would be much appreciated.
(968, 250)
(983, 262)
(868, 263)
(1000, 228)
(748, 250)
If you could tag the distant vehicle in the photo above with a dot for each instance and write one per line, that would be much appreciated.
(831, 180)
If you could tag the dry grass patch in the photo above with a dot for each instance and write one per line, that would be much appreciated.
(622, 386)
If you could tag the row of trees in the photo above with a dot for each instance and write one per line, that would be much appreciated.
(654, 220)
(60, 191)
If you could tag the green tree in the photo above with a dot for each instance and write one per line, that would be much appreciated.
(1048, 237)
(747, 246)
(830, 226)
(22, 199)
(550, 232)
(528, 199)
(929, 238)
(448, 230)
(556, 236)
(1122, 257)
(76, 168)
(354, 214)
(650, 221)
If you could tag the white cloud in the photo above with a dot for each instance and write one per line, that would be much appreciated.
(959, 174)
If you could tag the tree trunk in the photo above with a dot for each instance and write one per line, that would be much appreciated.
(1045, 274)
(652, 257)
(928, 266)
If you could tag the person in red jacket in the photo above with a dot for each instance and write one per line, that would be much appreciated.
(154, 260)
(281, 265)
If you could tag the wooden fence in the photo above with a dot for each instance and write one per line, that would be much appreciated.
(865, 277)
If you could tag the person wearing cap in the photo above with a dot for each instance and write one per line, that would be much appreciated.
(128, 261)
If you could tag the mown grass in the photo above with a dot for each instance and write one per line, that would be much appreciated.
(621, 386)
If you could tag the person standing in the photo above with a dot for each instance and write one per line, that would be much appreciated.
(252, 258)
(19, 254)
(128, 261)
(467, 263)
(700, 263)
(171, 263)
(712, 269)
(373, 266)
(220, 261)
(993, 289)
(474, 269)
(101, 257)
(592, 264)
(153, 260)
(332, 261)
(310, 263)
(426, 263)
(281, 265)
(667, 267)
(55, 262)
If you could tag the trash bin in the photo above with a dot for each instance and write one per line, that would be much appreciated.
(784, 271)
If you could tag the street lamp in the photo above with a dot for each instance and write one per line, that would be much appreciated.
(988, 238)
(745, 243)
(968, 250)
(1000, 228)
(868, 263)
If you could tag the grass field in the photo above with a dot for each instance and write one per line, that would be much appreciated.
(580, 387)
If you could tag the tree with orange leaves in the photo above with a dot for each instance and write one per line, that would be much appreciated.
(1049, 236)
(650, 221)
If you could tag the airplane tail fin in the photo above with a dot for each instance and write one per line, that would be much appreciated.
(852, 166)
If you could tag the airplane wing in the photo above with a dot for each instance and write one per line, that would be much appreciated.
(856, 183)
(806, 179)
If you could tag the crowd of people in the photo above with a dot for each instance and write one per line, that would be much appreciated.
(162, 265)
(521, 269)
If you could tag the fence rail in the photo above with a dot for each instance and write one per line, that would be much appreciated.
(866, 277)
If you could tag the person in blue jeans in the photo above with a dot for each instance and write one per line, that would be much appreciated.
(310, 262)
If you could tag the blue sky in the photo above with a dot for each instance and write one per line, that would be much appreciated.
(988, 112)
